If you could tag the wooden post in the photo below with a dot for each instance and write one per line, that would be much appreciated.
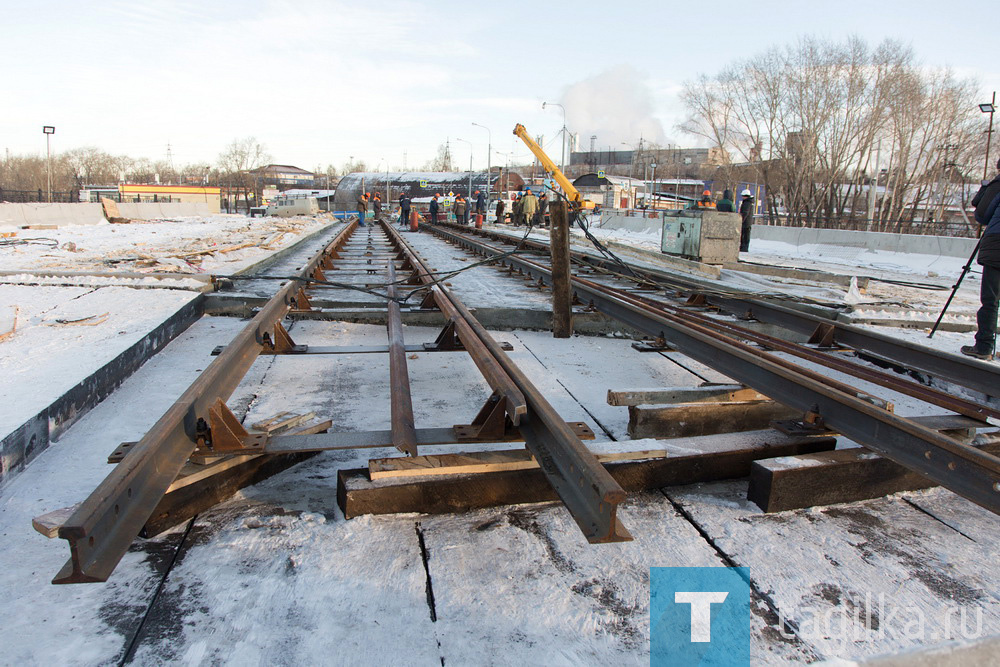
(562, 293)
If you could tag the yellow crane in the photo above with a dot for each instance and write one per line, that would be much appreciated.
(576, 200)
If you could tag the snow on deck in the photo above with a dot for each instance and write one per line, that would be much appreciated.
(276, 575)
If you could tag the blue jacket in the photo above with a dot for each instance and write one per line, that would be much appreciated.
(987, 203)
(481, 203)
(434, 206)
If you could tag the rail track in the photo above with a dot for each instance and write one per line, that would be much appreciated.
(138, 496)
(754, 360)
(134, 496)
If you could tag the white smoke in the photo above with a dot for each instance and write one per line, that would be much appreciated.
(616, 105)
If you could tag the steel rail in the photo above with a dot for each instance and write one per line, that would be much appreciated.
(589, 492)
(488, 365)
(404, 434)
(103, 527)
(979, 376)
(875, 376)
(965, 470)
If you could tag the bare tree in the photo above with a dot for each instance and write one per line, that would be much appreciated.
(237, 162)
(806, 120)
(442, 161)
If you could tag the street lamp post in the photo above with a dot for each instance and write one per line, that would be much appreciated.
(562, 164)
(470, 167)
(989, 108)
(501, 181)
(49, 130)
(652, 185)
(489, 164)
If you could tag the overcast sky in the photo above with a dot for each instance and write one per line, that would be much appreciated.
(318, 82)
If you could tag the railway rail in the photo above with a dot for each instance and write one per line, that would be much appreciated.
(750, 358)
(946, 370)
(199, 423)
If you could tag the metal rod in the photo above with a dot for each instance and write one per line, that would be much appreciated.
(958, 283)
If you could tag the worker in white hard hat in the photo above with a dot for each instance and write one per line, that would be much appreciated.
(747, 206)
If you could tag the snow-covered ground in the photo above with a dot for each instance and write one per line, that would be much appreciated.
(276, 575)
(64, 333)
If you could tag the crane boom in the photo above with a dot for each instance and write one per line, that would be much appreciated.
(548, 165)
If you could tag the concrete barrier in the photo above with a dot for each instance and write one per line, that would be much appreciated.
(61, 215)
(946, 246)
(156, 210)
(635, 223)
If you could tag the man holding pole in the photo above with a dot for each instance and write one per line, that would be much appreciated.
(987, 203)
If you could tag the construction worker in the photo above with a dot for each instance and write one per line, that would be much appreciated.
(543, 208)
(746, 212)
(404, 209)
(987, 203)
(480, 203)
(517, 209)
(501, 204)
(362, 208)
(706, 200)
(726, 204)
(460, 210)
(434, 209)
(377, 206)
(529, 207)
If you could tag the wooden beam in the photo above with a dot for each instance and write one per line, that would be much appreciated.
(480, 462)
(693, 419)
(704, 393)
(827, 478)
(722, 457)
(562, 290)
(212, 484)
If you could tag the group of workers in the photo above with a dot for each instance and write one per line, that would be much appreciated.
(726, 205)
(527, 208)
(375, 200)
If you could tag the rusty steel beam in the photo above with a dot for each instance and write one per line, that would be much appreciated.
(404, 435)
(967, 471)
(487, 364)
(980, 376)
(589, 492)
(101, 529)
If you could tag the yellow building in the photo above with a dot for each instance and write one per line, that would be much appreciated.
(171, 193)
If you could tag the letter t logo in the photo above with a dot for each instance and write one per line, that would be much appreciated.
(701, 611)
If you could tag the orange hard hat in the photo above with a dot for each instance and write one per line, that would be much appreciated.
(707, 193)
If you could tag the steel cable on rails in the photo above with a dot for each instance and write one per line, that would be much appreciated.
(444, 276)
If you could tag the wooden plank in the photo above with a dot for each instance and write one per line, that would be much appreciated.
(285, 420)
(479, 462)
(826, 478)
(368, 439)
(357, 494)
(693, 419)
(660, 396)
(216, 483)
(48, 523)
